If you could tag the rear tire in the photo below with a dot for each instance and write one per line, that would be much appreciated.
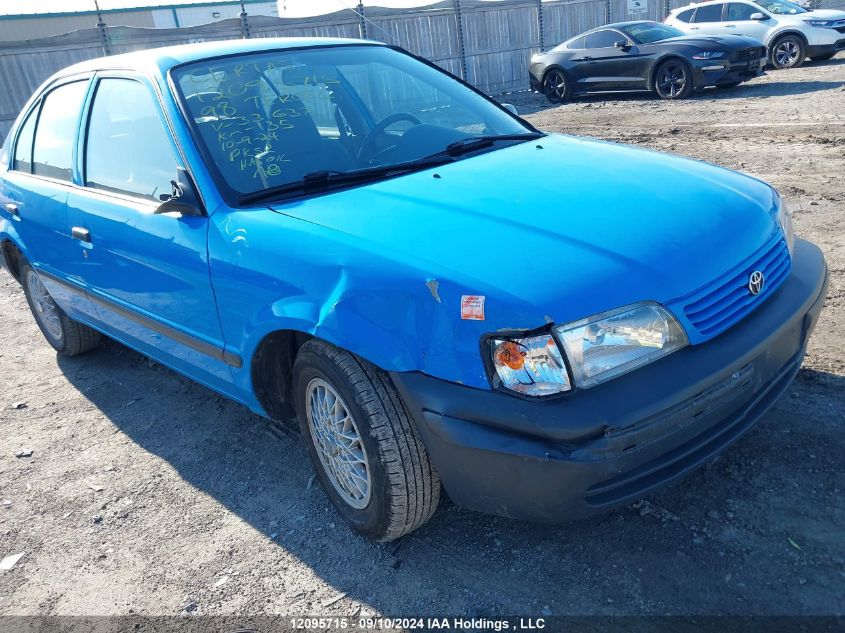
(673, 80)
(362, 442)
(788, 51)
(823, 58)
(67, 337)
(556, 86)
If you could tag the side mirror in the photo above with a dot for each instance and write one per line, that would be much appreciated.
(183, 198)
(511, 108)
(625, 46)
(757, 16)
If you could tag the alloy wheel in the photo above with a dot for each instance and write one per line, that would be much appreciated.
(555, 86)
(672, 79)
(46, 310)
(786, 53)
(338, 442)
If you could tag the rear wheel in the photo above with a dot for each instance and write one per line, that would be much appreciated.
(823, 58)
(788, 52)
(67, 336)
(362, 442)
(556, 86)
(673, 80)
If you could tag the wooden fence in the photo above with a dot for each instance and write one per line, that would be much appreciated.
(487, 43)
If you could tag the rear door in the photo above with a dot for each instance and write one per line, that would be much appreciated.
(36, 187)
(708, 19)
(147, 273)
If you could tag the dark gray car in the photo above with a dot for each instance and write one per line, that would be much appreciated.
(645, 56)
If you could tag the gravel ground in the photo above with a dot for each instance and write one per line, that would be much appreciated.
(148, 494)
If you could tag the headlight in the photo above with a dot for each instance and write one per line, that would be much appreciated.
(785, 221)
(606, 346)
(709, 55)
(532, 366)
(821, 23)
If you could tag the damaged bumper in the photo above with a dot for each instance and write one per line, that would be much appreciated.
(606, 446)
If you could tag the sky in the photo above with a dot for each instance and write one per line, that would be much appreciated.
(287, 8)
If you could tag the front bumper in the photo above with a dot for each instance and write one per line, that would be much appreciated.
(599, 448)
(719, 72)
(817, 50)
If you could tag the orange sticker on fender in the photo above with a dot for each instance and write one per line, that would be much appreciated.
(472, 307)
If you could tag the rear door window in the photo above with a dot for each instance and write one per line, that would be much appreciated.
(128, 150)
(23, 148)
(685, 16)
(708, 13)
(55, 133)
(577, 44)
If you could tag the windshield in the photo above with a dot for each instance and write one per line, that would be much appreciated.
(270, 119)
(781, 7)
(648, 32)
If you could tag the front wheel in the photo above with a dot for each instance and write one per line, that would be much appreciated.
(788, 52)
(68, 337)
(362, 442)
(673, 80)
(556, 86)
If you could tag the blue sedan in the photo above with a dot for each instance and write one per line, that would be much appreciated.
(341, 232)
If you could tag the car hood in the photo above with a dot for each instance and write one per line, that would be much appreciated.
(817, 14)
(555, 229)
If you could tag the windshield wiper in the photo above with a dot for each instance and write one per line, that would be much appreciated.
(317, 181)
(472, 143)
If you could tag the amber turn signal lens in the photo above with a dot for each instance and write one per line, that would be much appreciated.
(510, 355)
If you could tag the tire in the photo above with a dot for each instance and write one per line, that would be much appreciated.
(556, 86)
(673, 79)
(68, 337)
(394, 489)
(823, 58)
(787, 51)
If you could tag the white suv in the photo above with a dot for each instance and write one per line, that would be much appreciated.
(790, 32)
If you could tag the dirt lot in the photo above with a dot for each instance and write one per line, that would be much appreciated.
(146, 493)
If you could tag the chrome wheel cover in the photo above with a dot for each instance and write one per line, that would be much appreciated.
(46, 310)
(786, 53)
(555, 84)
(672, 80)
(338, 443)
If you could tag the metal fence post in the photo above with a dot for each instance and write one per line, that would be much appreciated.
(103, 30)
(244, 22)
(608, 13)
(540, 24)
(461, 47)
(667, 8)
(362, 21)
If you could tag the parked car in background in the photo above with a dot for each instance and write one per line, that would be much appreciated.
(338, 230)
(644, 56)
(790, 32)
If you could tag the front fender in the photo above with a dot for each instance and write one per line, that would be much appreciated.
(271, 272)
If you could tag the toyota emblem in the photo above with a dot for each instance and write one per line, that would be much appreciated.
(755, 282)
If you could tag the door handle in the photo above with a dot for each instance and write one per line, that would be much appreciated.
(693, 28)
(13, 209)
(78, 233)
(582, 59)
(730, 26)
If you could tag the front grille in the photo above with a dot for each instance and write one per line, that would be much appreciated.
(755, 52)
(719, 305)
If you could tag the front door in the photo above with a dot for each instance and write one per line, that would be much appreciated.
(147, 273)
(608, 67)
